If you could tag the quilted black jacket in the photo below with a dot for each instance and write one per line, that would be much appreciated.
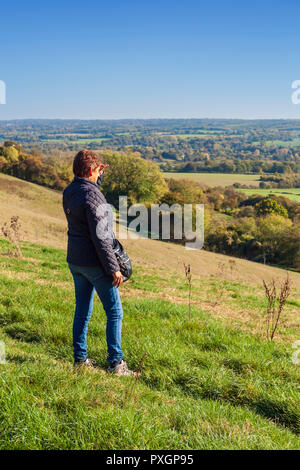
(83, 206)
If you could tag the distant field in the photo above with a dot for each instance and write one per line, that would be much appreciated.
(281, 143)
(217, 179)
(199, 134)
(96, 140)
(185, 136)
(226, 179)
(84, 140)
(291, 193)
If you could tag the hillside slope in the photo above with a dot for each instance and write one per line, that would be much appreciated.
(203, 385)
(210, 381)
(43, 221)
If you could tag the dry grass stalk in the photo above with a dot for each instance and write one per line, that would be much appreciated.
(11, 232)
(276, 304)
(134, 379)
(232, 266)
(219, 293)
(188, 275)
(221, 269)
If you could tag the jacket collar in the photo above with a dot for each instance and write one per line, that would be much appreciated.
(79, 179)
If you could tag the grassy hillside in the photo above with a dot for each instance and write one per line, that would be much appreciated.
(209, 382)
(39, 208)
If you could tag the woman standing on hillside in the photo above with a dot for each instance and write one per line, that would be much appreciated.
(92, 261)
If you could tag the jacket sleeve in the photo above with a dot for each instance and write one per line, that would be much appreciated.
(98, 220)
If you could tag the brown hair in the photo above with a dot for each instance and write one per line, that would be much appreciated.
(83, 161)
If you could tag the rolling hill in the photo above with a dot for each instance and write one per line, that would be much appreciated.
(210, 381)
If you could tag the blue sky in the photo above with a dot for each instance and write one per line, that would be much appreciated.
(149, 59)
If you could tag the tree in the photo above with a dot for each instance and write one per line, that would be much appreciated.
(29, 168)
(130, 175)
(11, 154)
(270, 206)
(3, 162)
(11, 143)
(271, 233)
(184, 191)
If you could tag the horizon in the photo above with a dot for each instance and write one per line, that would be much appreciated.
(151, 119)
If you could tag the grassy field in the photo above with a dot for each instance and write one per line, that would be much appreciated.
(204, 385)
(80, 140)
(217, 179)
(208, 382)
(86, 141)
(39, 209)
(227, 179)
(295, 142)
(291, 193)
(200, 135)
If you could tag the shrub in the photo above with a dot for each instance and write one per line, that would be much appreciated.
(270, 206)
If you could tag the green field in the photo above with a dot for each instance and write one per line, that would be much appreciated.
(199, 135)
(227, 179)
(217, 179)
(295, 142)
(80, 140)
(291, 193)
(96, 140)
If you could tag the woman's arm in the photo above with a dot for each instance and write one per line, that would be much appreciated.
(98, 217)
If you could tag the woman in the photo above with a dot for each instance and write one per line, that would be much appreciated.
(92, 261)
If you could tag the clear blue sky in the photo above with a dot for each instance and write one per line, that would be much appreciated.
(97, 59)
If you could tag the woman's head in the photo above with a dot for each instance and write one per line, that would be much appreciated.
(86, 162)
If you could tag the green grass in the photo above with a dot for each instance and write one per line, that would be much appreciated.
(199, 134)
(80, 140)
(204, 385)
(90, 140)
(225, 179)
(290, 193)
(295, 142)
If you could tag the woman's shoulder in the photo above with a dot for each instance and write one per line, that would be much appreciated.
(94, 197)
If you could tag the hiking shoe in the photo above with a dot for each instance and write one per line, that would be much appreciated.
(120, 368)
(89, 363)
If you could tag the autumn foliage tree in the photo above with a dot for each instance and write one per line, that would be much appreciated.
(31, 167)
(131, 175)
(270, 206)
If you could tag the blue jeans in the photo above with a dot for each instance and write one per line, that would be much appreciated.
(87, 279)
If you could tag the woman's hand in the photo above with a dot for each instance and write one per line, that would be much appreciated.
(118, 279)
